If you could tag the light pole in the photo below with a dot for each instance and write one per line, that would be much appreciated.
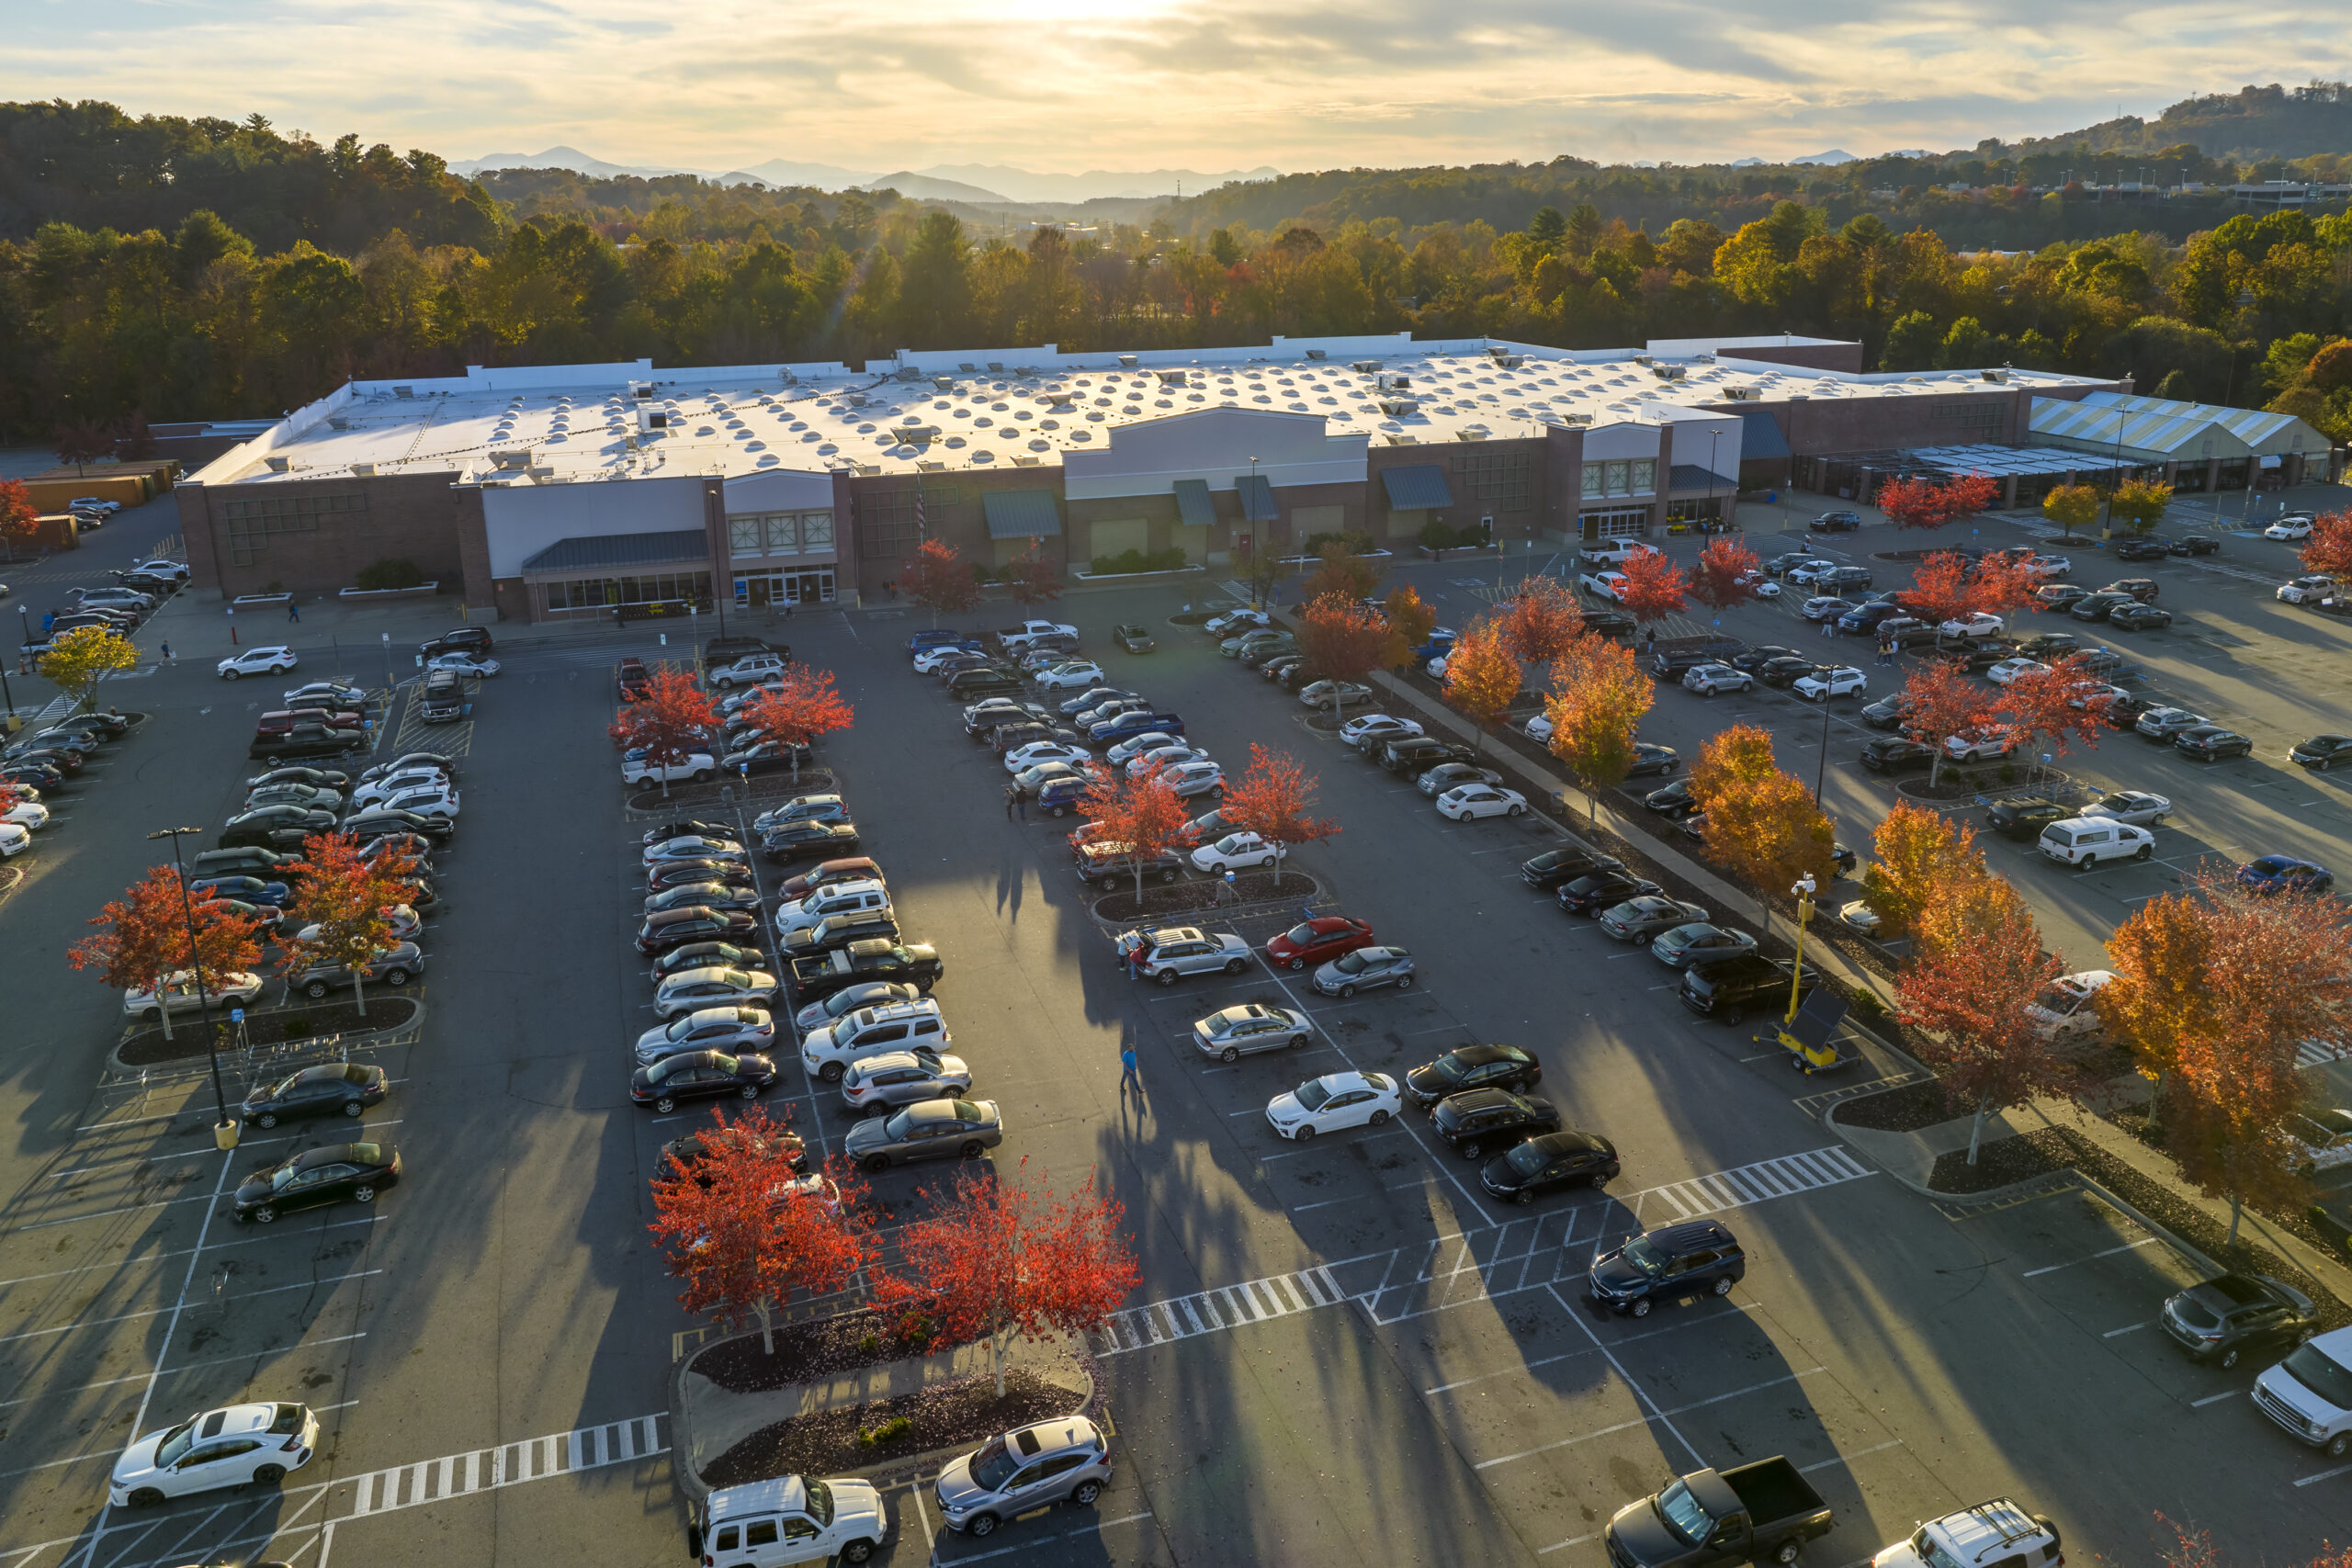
(224, 1130)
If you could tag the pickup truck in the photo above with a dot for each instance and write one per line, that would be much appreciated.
(1759, 1511)
(875, 958)
(631, 680)
(1014, 639)
(1614, 552)
(1609, 585)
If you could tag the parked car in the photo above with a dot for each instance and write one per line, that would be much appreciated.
(2024, 817)
(929, 1129)
(180, 995)
(1699, 942)
(1252, 1027)
(1696, 1257)
(805, 839)
(1729, 989)
(1167, 953)
(338, 1173)
(1475, 1122)
(1067, 1458)
(1468, 1067)
(2285, 873)
(1334, 694)
(1471, 802)
(1133, 638)
(2320, 753)
(861, 963)
(1549, 1161)
(234, 1445)
(1364, 969)
(1636, 921)
(676, 928)
(1332, 1103)
(2164, 724)
(2309, 1394)
(1590, 895)
(705, 955)
(691, 990)
(2235, 1315)
(671, 1082)
(394, 966)
(335, 1089)
(1236, 850)
(877, 1085)
(2211, 743)
(1317, 942)
(2065, 1006)
(1553, 867)
(458, 639)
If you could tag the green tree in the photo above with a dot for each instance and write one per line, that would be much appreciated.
(1911, 343)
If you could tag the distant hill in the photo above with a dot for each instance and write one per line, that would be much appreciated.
(1835, 155)
(571, 158)
(2252, 123)
(924, 187)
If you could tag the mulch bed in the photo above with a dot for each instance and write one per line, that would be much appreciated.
(1205, 894)
(386, 1009)
(951, 1414)
(762, 787)
(816, 1347)
(1904, 1109)
(2000, 1161)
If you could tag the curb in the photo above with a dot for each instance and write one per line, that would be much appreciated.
(1991, 1197)
(347, 1039)
(1224, 911)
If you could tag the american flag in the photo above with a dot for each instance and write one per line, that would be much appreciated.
(922, 529)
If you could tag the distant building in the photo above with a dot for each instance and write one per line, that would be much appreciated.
(2288, 193)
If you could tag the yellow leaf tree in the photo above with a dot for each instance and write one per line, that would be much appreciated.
(1599, 695)
(1411, 619)
(77, 661)
(1761, 824)
(2072, 507)
(1922, 856)
(2139, 504)
(1482, 676)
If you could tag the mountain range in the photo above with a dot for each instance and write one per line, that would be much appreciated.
(942, 182)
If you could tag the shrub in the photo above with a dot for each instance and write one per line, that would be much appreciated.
(1168, 559)
(1470, 535)
(869, 1342)
(1437, 536)
(889, 1432)
(396, 571)
(294, 1026)
(1867, 1005)
(1354, 543)
(2009, 773)
(273, 586)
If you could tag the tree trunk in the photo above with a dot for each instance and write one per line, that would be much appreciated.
(996, 1356)
(358, 992)
(164, 1004)
(1935, 767)
(1976, 1132)
(766, 1309)
(795, 772)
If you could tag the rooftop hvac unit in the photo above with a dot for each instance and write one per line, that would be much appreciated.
(1740, 394)
(403, 391)
(1509, 361)
(1024, 460)
(854, 399)
(1368, 367)
(1173, 378)
(1578, 418)
(1400, 406)
(785, 378)
(929, 465)
(1129, 362)
(1403, 438)
(363, 470)
(1705, 359)
(869, 469)
(1472, 433)
(909, 373)
(968, 368)
(278, 464)
(1668, 372)
(996, 366)
(915, 435)
(644, 391)
(511, 458)
(1392, 381)
(945, 383)
(1317, 354)
(338, 422)
(2002, 375)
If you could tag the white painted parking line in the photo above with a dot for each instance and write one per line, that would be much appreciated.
(159, 1312)
(1660, 1415)
(1563, 1545)
(1570, 1355)
(2128, 1246)
(2325, 1476)
(2128, 1328)
(1212, 1310)
(510, 1464)
(2216, 1398)
(1847, 1459)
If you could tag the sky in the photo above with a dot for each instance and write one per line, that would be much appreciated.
(1060, 85)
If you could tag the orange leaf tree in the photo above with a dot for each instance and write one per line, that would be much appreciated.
(2040, 704)
(1482, 675)
(18, 516)
(345, 896)
(801, 708)
(1030, 579)
(1761, 824)
(1598, 698)
(1654, 586)
(1276, 799)
(1721, 576)
(1939, 701)
(1966, 495)
(742, 1233)
(670, 723)
(144, 937)
(1999, 585)
(1538, 623)
(1337, 571)
(1341, 639)
(937, 578)
(2073, 507)
(2329, 549)
(1140, 815)
(1979, 967)
(1001, 1261)
(1734, 755)
(1410, 621)
(1941, 590)
(1920, 856)
(1910, 504)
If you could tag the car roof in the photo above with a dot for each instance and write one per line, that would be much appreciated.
(336, 1153)
(783, 1495)
(1693, 1234)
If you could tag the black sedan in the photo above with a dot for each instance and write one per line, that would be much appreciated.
(1590, 895)
(316, 778)
(2139, 618)
(688, 827)
(2211, 742)
(707, 955)
(1417, 754)
(2195, 545)
(1672, 801)
(2322, 753)
(676, 928)
(1472, 1067)
(2149, 548)
(677, 873)
(808, 841)
(339, 1173)
(338, 1089)
(765, 757)
(1548, 1163)
(686, 1156)
(306, 741)
(1478, 1121)
(1783, 670)
(2024, 817)
(1553, 868)
(1649, 757)
(1884, 713)
(1836, 522)
(2236, 1315)
(2060, 595)
(2095, 606)
(699, 1075)
(1886, 753)
(1753, 660)
(707, 895)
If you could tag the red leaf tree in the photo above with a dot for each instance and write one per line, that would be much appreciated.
(799, 711)
(345, 895)
(1916, 503)
(937, 578)
(1979, 967)
(1938, 701)
(2328, 550)
(1723, 576)
(670, 722)
(145, 938)
(1941, 590)
(1002, 1261)
(1141, 815)
(2039, 704)
(1030, 579)
(1967, 495)
(1273, 800)
(1340, 638)
(1653, 587)
(19, 516)
(1539, 623)
(744, 1233)
(2000, 584)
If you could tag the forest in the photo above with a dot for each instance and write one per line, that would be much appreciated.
(155, 268)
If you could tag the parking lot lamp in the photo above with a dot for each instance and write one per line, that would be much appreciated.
(1804, 891)
(224, 1130)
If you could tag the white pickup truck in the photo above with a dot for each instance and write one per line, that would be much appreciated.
(1609, 585)
(1014, 639)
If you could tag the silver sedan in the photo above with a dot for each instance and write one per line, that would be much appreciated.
(2136, 807)
(1699, 943)
(1364, 969)
(734, 1030)
(1238, 1032)
(691, 990)
(929, 1129)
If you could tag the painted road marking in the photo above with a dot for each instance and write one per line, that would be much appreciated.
(484, 1470)
(1765, 1179)
(1229, 1306)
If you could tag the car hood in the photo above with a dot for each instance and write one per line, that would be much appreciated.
(864, 1135)
(855, 1503)
(252, 1188)
(652, 1041)
(1641, 1536)
(955, 1486)
(1614, 1274)
(1285, 1106)
(2289, 1390)
(1423, 1082)
(138, 1460)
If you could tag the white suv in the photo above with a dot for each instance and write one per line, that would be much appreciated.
(770, 1523)
(750, 670)
(840, 899)
(1998, 1532)
(2066, 1008)
(828, 1049)
(2309, 1392)
(2084, 841)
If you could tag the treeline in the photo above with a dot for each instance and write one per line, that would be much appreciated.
(148, 307)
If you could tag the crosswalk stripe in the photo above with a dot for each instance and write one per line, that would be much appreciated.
(1743, 1185)
(1215, 1311)
(2317, 1053)
(484, 1469)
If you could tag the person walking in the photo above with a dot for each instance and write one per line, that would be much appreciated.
(293, 611)
(1828, 626)
(1011, 795)
(167, 657)
(1128, 1075)
(1021, 803)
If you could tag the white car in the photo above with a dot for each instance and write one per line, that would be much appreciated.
(1609, 585)
(1435, 668)
(1973, 747)
(865, 897)
(464, 664)
(1189, 780)
(1756, 582)
(2288, 528)
(1822, 684)
(2008, 669)
(839, 1520)
(1538, 729)
(369, 795)
(929, 661)
(179, 994)
(1235, 851)
(2091, 692)
(1809, 573)
(1333, 1103)
(15, 839)
(1974, 624)
(2049, 566)
(255, 661)
(2304, 589)
(1077, 677)
(2085, 842)
(1825, 607)
(163, 566)
(1014, 639)
(236, 1445)
(1710, 679)
(2064, 1009)
(437, 799)
(1134, 746)
(1021, 759)
(403, 919)
(27, 814)
(1234, 622)
(2291, 1393)
(1143, 762)
(699, 768)
(1473, 801)
(2323, 1139)
(2136, 807)
(1376, 726)
(1858, 916)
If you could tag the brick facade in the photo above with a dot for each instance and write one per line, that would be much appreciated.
(316, 536)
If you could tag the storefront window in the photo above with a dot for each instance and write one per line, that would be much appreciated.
(1592, 478)
(743, 535)
(817, 531)
(784, 534)
(1644, 474)
(1619, 480)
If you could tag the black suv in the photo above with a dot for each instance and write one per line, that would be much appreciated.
(2024, 817)
(1472, 1067)
(1553, 867)
(1699, 1258)
(306, 741)
(475, 640)
(1111, 868)
(2149, 548)
(1555, 1159)
(1884, 753)
(2239, 1315)
(1731, 988)
(728, 649)
(1417, 754)
(1479, 1121)
(980, 680)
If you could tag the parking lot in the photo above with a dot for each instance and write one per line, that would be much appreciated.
(1341, 1350)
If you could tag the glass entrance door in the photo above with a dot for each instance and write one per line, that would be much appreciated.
(808, 587)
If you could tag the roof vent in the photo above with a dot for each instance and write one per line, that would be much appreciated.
(968, 368)
(1403, 438)
(1022, 459)
(1392, 381)
(1668, 372)
(278, 464)
(1509, 361)
(909, 373)
(1317, 354)
(1129, 362)
(945, 383)
(2002, 375)
(403, 391)
(511, 458)
(996, 366)
(363, 470)
(1472, 433)
(1400, 406)
(785, 378)
(1368, 367)
(1740, 394)
(338, 422)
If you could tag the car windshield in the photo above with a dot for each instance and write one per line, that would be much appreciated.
(820, 1503)
(1684, 1514)
(176, 1443)
(1932, 1551)
(1528, 1158)
(1311, 1095)
(2322, 1375)
(994, 1464)
(1354, 963)
(2194, 1313)
(1301, 935)
(1644, 1255)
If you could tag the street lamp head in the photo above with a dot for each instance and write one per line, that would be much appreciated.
(1804, 889)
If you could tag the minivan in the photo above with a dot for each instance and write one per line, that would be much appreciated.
(828, 1049)
(2084, 841)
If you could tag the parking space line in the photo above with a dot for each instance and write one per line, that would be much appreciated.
(2325, 1476)
(2128, 1328)
(1847, 1459)
(2216, 1398)
(158, 1312)
(1660, 1415)
(1693, 1322)
(2128, 1246)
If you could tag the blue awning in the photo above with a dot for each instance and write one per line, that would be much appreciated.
(616, 552)
(1257, 493)
(1417, 487)
(1022, 514)
(1760, 436)
(1694, 476)
(1192, 503)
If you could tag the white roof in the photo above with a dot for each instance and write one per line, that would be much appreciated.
(2169, 430)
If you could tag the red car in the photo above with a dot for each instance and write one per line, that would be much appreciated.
(1317, 941)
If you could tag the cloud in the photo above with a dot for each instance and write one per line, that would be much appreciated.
(1070, 85)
